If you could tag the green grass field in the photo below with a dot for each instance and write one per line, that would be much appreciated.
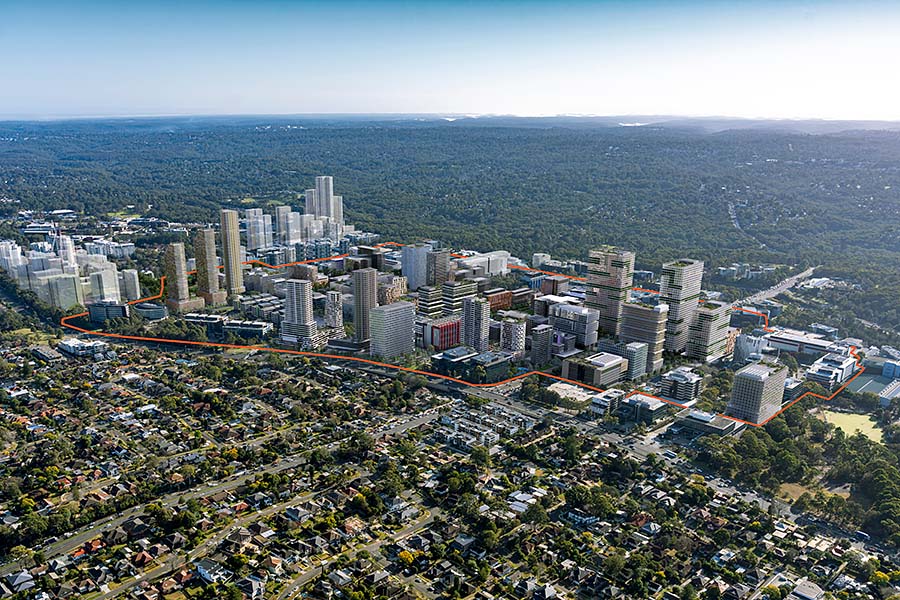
(851, 423)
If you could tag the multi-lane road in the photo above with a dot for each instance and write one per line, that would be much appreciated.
(780, 287)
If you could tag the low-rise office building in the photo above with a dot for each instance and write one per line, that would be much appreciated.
(697, 422)
(600, 370)
(832, 370)
(681, 385)
(467, 364)
(607, 403)
(100, 312)
(643, 408)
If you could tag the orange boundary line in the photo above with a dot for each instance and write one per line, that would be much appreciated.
(162, 280)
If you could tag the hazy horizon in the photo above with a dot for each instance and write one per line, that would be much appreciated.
(789, 60)
(423, 115)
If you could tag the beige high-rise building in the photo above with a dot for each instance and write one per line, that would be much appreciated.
(708, 336)
(178, 294)
(610, 276)
(679, 287)
(231, 252)
(757, 392)
(365, 298)
(647, 324)
(392, 290)
(208, 268)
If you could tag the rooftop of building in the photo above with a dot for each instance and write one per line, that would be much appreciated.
(573, 392)
(394, 307)
(835, 359)
(683, 374)
(797, 334)
(554, 299)
(645, 401)
(487, 359)
(690, 416)
(760, 370)
(456, 354)
(604, 359)
(682, 262)
(639, 303)
(455, 284)
(608, 395)
(712, 304)
(576, 309)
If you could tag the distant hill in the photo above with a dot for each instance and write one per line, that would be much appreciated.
(704, 124)
(698, 124)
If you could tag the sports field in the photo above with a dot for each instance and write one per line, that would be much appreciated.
(850, 423)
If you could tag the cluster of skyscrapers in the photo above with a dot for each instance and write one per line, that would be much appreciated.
(675, 320)
(417, 295)
(66, 277)
(454, 306)
(323, 218)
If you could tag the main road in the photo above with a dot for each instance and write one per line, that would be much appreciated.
(778, 288)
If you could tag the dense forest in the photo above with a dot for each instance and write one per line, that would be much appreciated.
(750, 195)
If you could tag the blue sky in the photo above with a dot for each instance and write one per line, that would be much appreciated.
(761, 59)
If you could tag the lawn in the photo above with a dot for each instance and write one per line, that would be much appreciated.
(850, 423)
(123, 215)
(792, 490)
(32, 336)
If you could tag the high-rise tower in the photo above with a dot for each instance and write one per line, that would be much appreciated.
(365, 298)
(708, 335)
(437, 267)
(414, 264)
(325, 195)
(208, 268)
(282, 224)
(178, 294)
(65, 249)
(231, 252)
(299, 324)
(679, 287)
(647, 324)
(610, 274)
(392, 329)
(757, 392)
(334, 310)
(259, 229)
(476, 323)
